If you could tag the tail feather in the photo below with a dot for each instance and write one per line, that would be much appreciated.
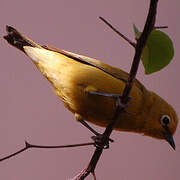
(18, 40)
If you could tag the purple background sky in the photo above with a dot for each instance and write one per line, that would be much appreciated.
(31, 111)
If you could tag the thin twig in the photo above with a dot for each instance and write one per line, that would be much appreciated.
(119, 33)
(94, 175)
(160, 27)
(28, 146)
(149, 26)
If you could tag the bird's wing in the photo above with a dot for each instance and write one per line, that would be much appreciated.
(18, 40)
(113, 71)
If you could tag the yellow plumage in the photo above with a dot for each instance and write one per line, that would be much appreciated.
(73, 76)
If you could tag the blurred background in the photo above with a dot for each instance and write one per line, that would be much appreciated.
(29, 110)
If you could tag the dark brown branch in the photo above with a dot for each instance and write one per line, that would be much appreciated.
(119, 33)
(149, 26)
(28, 146)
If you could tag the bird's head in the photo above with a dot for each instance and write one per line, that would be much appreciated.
(161, 121)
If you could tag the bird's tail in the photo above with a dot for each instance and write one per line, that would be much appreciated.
(18, 40)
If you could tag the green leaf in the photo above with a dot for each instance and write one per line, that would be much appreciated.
(137, 33)
(158, 51)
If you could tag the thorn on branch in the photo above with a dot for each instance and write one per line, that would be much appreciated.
(27, 144)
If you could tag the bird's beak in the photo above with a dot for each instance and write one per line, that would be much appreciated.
(169, 138)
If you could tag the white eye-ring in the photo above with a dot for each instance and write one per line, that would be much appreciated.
(165, 120)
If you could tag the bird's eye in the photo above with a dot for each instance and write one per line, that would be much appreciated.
(165, 120)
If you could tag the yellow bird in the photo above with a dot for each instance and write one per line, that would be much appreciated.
(75, 77)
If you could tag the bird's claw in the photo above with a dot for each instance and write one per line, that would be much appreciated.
(100, 142)
(120, 103)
